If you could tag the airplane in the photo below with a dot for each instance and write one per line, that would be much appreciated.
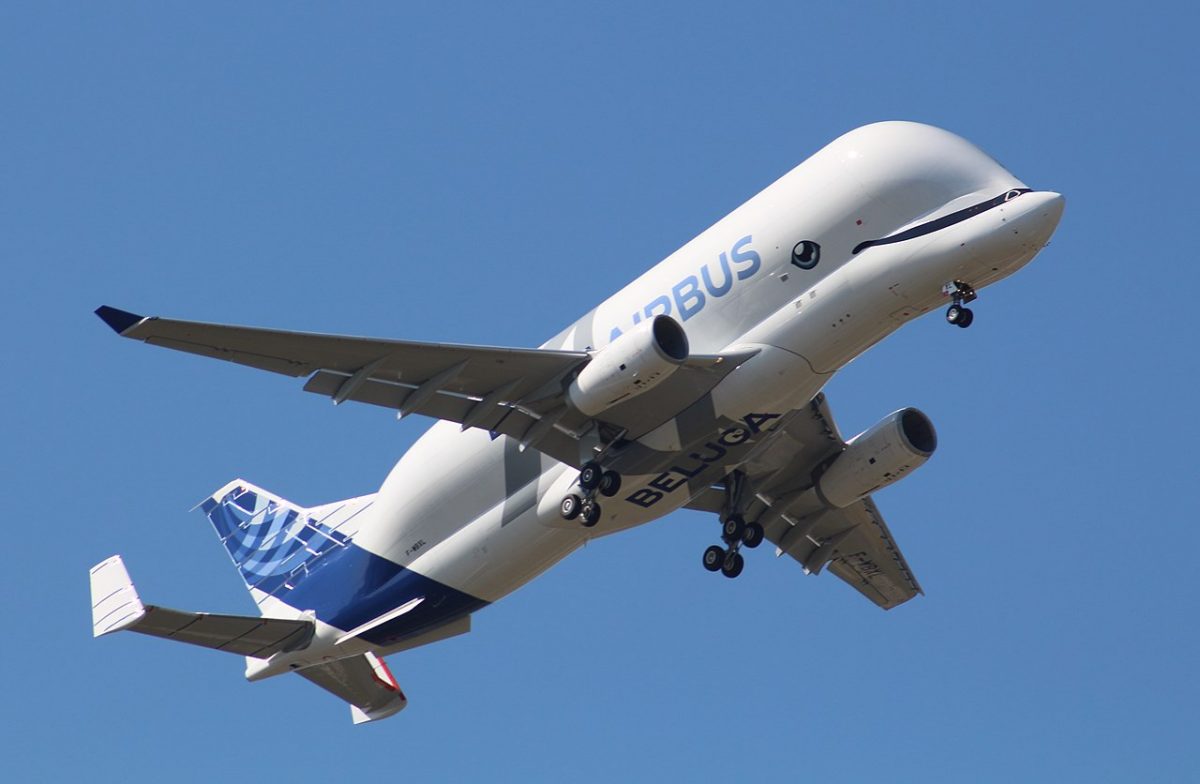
(697, 385)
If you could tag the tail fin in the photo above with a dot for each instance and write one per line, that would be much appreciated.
(274, 543)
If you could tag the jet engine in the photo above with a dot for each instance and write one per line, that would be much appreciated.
(635, 362)
(877, 457)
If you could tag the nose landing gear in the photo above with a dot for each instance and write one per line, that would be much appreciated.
(593, 480)
(958, 314)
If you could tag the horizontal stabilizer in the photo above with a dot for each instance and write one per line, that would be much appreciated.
(364, 681)
(116, 607)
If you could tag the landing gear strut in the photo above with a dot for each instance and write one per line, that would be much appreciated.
(958, 314)
(735, 531)
(593, 481)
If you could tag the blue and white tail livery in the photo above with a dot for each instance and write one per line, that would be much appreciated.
(698, 385)
(275, 544)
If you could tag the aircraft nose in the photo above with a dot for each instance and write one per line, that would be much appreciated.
(1029, 221)
(1016, 231)
(1045, 212)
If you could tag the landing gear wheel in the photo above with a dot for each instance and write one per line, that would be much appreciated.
(610, 483)
(734, 563)
(733, 528)
(570, 507)
(753, 535)
(714, 558)
(961, 293)
(589, 475)
(591, 513)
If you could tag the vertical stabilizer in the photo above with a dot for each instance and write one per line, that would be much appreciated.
(274, 543)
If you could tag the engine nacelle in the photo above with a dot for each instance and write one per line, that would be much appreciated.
(878, 457)
(635, 362)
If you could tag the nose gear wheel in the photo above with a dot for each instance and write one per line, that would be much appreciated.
(958, 314)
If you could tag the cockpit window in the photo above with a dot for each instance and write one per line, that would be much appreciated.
(940, 223)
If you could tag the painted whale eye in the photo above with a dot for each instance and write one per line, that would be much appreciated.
(1014, 193)
(806, 254)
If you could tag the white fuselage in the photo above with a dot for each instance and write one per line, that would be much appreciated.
(475, 513)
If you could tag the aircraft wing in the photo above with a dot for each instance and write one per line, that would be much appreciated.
(854, 543)
(860, 549)
(511, 391)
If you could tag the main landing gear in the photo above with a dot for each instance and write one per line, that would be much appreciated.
(593, 480)
(735, 532)
(958, 314)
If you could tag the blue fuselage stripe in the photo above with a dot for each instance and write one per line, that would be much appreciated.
(351, 587)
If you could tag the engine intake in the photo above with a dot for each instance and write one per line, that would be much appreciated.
(877, 457)
(634, 363)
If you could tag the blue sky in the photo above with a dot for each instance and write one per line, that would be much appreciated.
(478, 174)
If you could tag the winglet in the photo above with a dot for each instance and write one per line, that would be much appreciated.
(119, 320)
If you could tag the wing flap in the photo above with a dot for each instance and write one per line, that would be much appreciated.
(506, 419)
(391, 394)
(871, 561)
